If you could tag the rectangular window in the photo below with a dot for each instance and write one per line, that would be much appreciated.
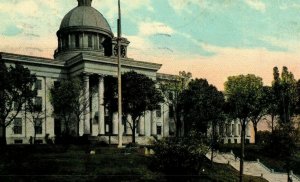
(38, 126)
(171, 111)
(17, 126)
(77, 41)
(38, 85)
(158, 112)
(158, 130)
(38, 103)
(90, 41)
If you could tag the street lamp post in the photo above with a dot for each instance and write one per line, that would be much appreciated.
(120, 133)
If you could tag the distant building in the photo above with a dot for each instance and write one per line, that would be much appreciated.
(230, 132)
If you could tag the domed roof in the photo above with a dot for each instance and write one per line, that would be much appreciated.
(85, 16)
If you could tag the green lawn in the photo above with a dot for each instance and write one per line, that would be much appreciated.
(73, 163)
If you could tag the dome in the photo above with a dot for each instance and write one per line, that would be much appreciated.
(83, 29)
(85, 16)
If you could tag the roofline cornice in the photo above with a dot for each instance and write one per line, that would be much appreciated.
(30, 59)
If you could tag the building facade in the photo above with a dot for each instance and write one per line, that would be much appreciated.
(86, 48)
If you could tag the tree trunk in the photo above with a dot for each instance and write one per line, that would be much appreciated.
(212, 143)
(78, 123)
(255, 132)
(3, 136)
(34, 137)
(242, 150)
(133, 130)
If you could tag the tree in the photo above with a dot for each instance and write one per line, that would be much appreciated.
(202, 103)
(285, 89)
(171, 91)
(69, 103)
(16, 85)
(272, 105)
(35, 114)
(139, 94)
(242, 93)
(111, 97)
(202, 106)
(260, 108)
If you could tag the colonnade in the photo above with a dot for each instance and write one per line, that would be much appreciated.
(147, 123)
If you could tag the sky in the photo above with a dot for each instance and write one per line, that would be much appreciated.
(212, 39)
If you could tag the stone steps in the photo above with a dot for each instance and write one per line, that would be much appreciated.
(253, 168)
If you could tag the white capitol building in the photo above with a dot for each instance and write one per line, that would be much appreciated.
(87, 48)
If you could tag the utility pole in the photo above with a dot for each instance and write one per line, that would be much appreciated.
(119, 80)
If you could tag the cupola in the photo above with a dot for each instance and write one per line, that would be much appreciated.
(83, 29)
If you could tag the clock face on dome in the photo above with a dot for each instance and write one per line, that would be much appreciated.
(116, 50)
(123, 51)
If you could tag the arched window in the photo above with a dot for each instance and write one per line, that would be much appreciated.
(90, 41)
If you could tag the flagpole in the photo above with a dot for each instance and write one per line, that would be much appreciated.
(120, 133)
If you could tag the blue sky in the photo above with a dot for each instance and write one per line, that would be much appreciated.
(213, 39)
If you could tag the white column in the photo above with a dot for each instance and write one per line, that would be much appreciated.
(236, 128)
(153, 123)
(147, 123)
(87, 124)
(101, 111)
(82, 118)
(115, 124)
(142, 125)
(69, 43)
(98, 43)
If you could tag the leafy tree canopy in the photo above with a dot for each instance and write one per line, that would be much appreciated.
(242, 94)
(202, 103)
(68, 102)
(16, 86)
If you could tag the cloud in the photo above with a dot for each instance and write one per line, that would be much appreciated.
(154, 28)
(12, 30)
(256, 4)
(182, 6)
(289, 45)
(287, 6)
(178, 5)
(24, 8)
(109, 8)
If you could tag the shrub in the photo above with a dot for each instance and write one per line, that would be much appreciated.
(263, 137)
(179, 156)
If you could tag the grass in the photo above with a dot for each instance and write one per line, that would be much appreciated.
(73, 163)
(223, 172)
